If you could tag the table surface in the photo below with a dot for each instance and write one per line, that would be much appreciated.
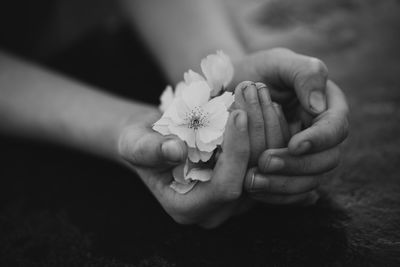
(62, 208)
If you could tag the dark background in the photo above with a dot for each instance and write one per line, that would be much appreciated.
(63, 208)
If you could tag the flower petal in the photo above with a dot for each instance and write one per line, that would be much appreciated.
(191, 76)
(208, 134)
(166, 98)
(196, 94)
(179, 173)
(218, 70)
(182, 188)
(198, 174)
(196, 155)
(210, 146)
(177, 111)
(179, 88)
(184, 133)
(218, 114)
(161, 126)
(227, 98)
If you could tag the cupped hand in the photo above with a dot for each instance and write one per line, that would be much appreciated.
(209, 204)
(268, 129)
(299, 84)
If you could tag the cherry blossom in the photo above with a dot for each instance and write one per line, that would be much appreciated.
(197, 113)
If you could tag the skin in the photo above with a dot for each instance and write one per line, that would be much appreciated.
(40, 104)
(208, 204)
(268, 126)
(292, 77)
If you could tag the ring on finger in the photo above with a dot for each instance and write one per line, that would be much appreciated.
(252, 181)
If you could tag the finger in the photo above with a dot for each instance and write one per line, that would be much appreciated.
(260, 184)
(280, 161)
(283, 123)
(230, 169)
(212, 202)
(246, 98)
(295, 127)
(151, 149)
(306, 75)
(329, 129)
(303, 199)
(273, 132)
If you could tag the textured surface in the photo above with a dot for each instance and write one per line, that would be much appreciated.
(61, 208)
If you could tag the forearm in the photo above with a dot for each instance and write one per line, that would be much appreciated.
(181, 32)
(37, 103)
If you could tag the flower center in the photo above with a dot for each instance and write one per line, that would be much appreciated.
(196, 118)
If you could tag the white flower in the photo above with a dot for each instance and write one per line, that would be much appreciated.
(187, 175)
(197, 113)
(191, 76)
(218, 70)
(168, 96)
(198, 121)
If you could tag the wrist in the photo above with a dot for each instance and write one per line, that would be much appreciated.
(132, 126)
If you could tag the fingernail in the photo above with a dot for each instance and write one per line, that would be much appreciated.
(241, 121)
(264, 95)
(172, 150)
(250, 92)
(260, 85)
(259, 183)
(303, 147)
(274, 164)
(317, 101)
(243, 85)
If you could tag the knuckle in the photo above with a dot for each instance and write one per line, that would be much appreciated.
(304, 165)
(318, 67)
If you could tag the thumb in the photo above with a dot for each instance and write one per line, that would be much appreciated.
(152, 149)
(306, 75)
(310, 86)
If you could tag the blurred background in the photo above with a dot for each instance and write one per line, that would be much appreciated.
(63, 208)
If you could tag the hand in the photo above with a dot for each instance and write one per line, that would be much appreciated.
(209, 204)
(299, 83)
(268, 128)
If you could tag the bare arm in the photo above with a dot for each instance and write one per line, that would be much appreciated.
(38, 103)
(181, 32)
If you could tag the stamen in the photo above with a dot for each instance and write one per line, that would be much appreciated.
(197, 118)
